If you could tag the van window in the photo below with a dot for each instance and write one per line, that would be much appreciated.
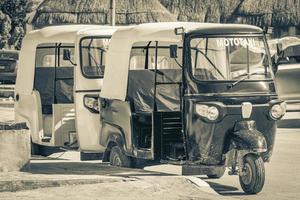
(92, 56)
(139, 52)
(51, 55)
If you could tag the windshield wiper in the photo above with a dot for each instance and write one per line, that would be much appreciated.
(244, 77)
(95, 61)
(211, 63)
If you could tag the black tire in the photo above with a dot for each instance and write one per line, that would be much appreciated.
(139, 163)
(35, 149)
(253, 180)
(39, 150)
(219, 174)
(118, 158)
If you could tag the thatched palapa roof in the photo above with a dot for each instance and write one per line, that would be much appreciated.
(97, 12)
(274, 13)
(194, 10)
(269, 12)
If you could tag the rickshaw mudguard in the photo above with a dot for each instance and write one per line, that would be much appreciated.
(111, 136)
(246, 137)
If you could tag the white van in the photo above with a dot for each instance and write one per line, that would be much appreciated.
(58, 85)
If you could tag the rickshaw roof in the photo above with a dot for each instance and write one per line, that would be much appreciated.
(66, 33)
(116, 70)
(161, 29)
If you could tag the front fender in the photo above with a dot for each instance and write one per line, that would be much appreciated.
(111, 136)
(246, 137)
(110, 133)
(114, 134)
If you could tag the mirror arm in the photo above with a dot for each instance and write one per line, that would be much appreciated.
(72, 62)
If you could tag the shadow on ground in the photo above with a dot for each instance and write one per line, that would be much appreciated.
(87, 168)
(225, 189)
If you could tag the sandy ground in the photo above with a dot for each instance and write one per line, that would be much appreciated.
(64, 179)
(148, 188)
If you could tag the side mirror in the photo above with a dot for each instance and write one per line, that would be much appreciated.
(280, 52)
(66, 54)
(173, 51)
(278, 58)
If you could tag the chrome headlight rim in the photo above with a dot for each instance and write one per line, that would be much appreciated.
(91, 102)
(211, 108)
(280, 105)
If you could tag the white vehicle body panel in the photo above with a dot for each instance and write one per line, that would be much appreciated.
(88, 124)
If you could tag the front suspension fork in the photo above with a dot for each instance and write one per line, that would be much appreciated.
(237, 163)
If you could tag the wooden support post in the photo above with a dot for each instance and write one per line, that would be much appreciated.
(112, 12)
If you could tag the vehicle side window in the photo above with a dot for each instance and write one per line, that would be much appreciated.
(143, 56)
(143, 79)
(92, 56)
(51, 55)
(292, 54)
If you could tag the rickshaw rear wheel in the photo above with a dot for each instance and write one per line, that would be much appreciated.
(118, 158)
(139, 163)
(35, 149)
(252, 178)
(217, 175)
(39, 150)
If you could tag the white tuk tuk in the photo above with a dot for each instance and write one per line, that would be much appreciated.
(58, 85)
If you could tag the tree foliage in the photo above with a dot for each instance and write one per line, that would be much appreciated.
(13, 22)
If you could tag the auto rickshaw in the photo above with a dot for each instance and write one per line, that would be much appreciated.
(58, 86)
(8, 66)
(199, 95)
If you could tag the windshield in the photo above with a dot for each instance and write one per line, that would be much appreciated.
(92, 56)
(229, 58)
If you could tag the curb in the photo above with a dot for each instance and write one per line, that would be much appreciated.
(200, 184)
(18, 185)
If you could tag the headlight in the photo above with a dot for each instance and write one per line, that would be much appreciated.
(209, 112)
(212, 113)
(277, 111)
(92, 103)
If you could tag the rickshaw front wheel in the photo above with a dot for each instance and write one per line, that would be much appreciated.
(252, 178)
(118, 158)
